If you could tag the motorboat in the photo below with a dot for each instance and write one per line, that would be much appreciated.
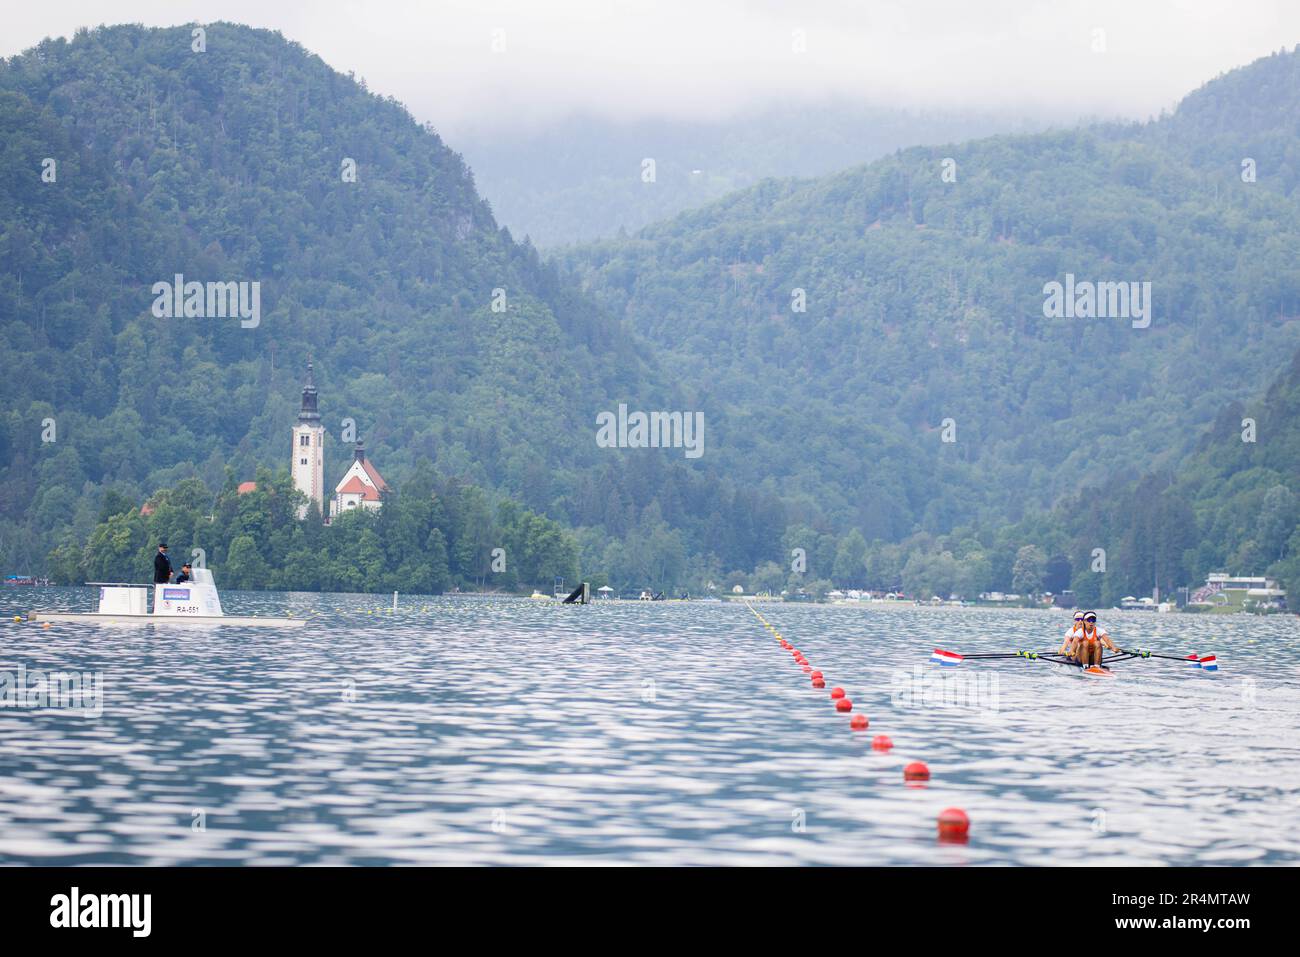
(194, 602)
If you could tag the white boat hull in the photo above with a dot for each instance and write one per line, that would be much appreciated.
(194, 602)
(239, 620)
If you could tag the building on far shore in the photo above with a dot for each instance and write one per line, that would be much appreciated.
(361, 486)
(1258, 589)
(308, 464)
(1238, 582)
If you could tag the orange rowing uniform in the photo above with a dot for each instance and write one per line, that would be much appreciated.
(1093, 635)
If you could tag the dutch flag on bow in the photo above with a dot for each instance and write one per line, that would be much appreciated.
(946, 658)
(1209, 663)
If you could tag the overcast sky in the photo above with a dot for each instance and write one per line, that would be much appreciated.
(702, 58)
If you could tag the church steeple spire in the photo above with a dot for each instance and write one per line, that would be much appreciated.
(309, 412)
(307, 467)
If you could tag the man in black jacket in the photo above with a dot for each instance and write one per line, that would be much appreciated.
(162, 568)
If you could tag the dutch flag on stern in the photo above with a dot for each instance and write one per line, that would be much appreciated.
(942, 657)
(1209, 663)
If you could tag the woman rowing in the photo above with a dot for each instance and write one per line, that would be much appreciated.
(1067, 644)
(1086, 646)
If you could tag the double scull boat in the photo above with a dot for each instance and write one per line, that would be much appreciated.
(1208, 663)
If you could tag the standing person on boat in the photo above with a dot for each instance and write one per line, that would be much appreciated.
(1067, 644)
(1088, 645)
(162, 568)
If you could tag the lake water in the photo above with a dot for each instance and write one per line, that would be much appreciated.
(508, 731)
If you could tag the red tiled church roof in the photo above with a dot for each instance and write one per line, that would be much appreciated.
(354, 486)
(374, 475)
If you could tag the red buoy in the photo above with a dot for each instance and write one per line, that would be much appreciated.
(954, 825)
(818, 674)
(807, 668)
(916, 771)
(859, 722)
(837, 692)
(881, 742)
(843, 704)
(818, 683)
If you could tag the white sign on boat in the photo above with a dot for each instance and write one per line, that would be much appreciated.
(192, 602)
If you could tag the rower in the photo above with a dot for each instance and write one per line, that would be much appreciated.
(1090, 641)
(1067, 645)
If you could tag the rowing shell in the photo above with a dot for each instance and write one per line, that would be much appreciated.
(949, 659)
(1093, 671)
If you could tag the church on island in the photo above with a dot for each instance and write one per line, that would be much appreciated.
(361, 486)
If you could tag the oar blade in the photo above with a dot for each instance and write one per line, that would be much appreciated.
(949, 659)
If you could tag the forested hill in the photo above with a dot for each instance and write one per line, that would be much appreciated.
(1233, 504)
(128, 157)
(582, 177)
(869, 349)
(1251, 114)
(924, 278)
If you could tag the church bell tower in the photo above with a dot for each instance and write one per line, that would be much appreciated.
(308, 464)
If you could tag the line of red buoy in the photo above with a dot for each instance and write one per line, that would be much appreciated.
(954, 825)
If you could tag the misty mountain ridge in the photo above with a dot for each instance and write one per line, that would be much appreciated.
(584, 177)
(922, 306)
(925, 302)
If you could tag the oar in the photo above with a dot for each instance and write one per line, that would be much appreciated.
(1056, 659)
(1204, 662)
(1059, 659)
(1045, 657)
(943, 657)
(1010, 654)
(1076, 663)
(1139, 653)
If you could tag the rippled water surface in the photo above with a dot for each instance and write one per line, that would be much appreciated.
(509, 731)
